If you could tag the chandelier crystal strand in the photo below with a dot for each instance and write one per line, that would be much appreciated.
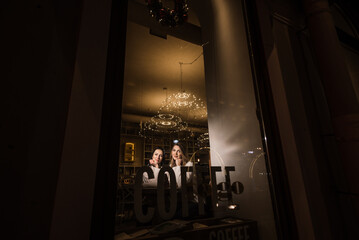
(181, 73)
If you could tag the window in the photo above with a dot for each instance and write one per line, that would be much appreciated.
(193, 85)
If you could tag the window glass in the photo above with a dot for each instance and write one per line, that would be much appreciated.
(191, 154)
(352, 58)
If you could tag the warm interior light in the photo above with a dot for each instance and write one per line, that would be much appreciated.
(232, 206)
(166, 123)
(129, 152)
(182, 102)
(203, 140)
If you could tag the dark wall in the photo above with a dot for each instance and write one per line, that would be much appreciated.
(38, 48)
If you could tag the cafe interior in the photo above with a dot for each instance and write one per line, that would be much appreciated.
(264, 95)
(165, 102)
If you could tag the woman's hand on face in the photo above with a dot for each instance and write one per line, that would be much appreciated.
(156, 158)
(177, 155)
(154, 162)
(179, 161)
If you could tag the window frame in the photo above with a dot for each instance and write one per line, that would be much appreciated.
(104, 205)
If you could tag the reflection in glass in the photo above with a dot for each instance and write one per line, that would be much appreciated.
(224, 174)
(164, 103)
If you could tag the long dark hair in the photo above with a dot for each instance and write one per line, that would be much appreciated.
(163, 155)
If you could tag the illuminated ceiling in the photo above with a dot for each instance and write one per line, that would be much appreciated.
(152, 63)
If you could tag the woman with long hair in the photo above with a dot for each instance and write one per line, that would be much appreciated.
(179, 159)
(155, 163)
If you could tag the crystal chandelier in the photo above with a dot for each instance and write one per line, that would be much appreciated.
(174, 110)
(184, 103)
(165, 123)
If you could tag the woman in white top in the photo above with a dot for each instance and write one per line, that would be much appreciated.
(155, 163)
(178, 159)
